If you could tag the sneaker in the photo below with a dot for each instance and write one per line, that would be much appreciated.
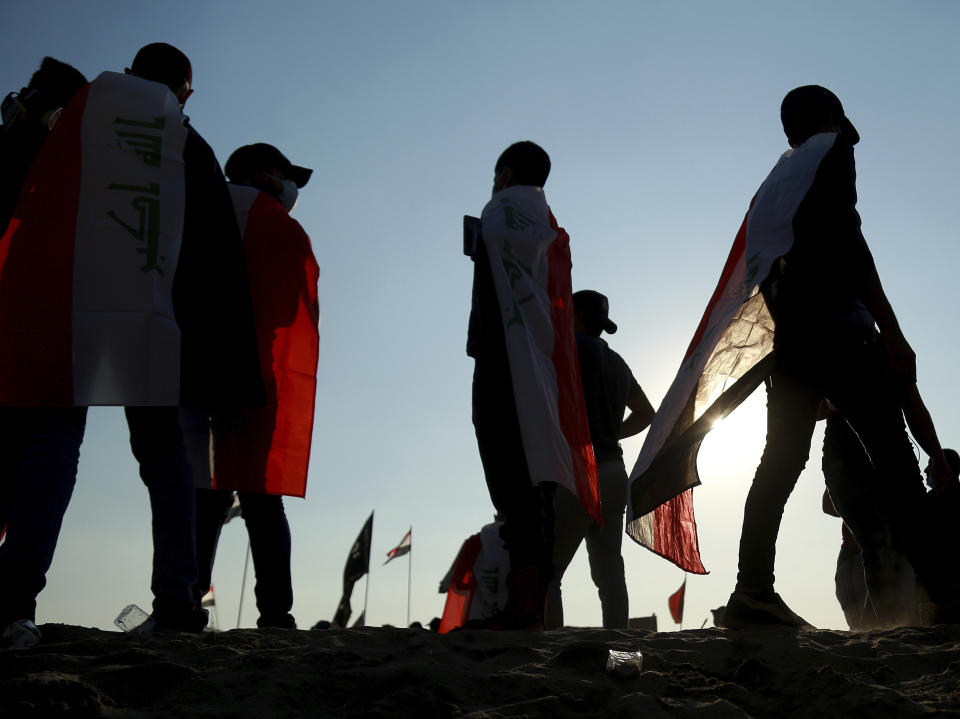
(755, 609)
(20, 634)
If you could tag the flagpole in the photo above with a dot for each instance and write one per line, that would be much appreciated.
(409, 573)
(366, 589)
(243, 582)
(684, 598)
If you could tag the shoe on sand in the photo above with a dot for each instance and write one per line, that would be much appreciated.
(20, 634)
(747, 610)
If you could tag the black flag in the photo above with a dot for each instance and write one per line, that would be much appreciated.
(358, 564)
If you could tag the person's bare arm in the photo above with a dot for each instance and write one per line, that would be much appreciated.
(921, 427)
(640, 417)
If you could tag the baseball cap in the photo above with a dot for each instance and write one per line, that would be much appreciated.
(595, 308)
(246, 160)
(804, 110)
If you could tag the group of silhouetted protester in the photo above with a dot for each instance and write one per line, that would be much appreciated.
(133, 274)
(799, 308)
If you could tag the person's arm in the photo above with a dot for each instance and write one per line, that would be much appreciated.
(640, 417)
(921, 427)
(901, 359)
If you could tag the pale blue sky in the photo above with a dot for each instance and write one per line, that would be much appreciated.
(661, 118)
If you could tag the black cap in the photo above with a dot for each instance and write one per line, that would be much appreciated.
(245, 161)
(595, 308)
(805, 109)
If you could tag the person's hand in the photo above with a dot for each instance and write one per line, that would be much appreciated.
(901, 359)
(939, 475)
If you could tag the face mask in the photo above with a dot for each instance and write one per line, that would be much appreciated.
(288, 195)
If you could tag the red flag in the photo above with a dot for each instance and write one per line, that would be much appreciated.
(675, 602)
(267, 449)
(727, 359)
(463, 583)
(573, 415)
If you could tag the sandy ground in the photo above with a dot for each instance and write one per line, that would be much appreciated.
(386, 672)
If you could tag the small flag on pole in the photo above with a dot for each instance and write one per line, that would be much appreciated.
(676, 602)
(400, 549)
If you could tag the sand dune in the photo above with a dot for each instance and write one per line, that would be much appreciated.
(386, 672)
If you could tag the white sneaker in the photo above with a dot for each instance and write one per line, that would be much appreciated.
(20, 634)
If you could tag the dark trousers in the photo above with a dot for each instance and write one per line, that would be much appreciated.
(846, 366)
(860, 495)
(573, 526)
(269, 545)
(43, 483)
(525, 509)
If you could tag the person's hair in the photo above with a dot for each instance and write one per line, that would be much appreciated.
(953, 459)
(528, 162)
(163, 63)
(56, 82)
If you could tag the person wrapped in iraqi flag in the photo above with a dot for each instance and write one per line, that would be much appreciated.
(28, 116)
(122, 282)
(800, 281)
(528, 407)
(264, 452)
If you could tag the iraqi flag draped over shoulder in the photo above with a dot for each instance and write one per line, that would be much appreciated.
(530, 262)
(267, 449)
(728, 357)
(88, 261)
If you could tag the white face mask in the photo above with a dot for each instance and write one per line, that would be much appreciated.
(288, 195)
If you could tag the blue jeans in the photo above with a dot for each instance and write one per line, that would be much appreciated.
(43, 484)
(861, 498)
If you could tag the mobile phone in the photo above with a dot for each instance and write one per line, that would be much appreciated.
(471, 235)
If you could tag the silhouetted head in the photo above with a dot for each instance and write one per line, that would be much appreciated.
(165, 64)
(49, 90)
(591, 312)
(263, 166)
(811, 109)
(57, 81)
(523, 163)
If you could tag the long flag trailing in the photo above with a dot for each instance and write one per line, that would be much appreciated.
(675, 602)
(267, 449)
(402, 548)
(530, 262)
(728, 357)
(358, 564)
